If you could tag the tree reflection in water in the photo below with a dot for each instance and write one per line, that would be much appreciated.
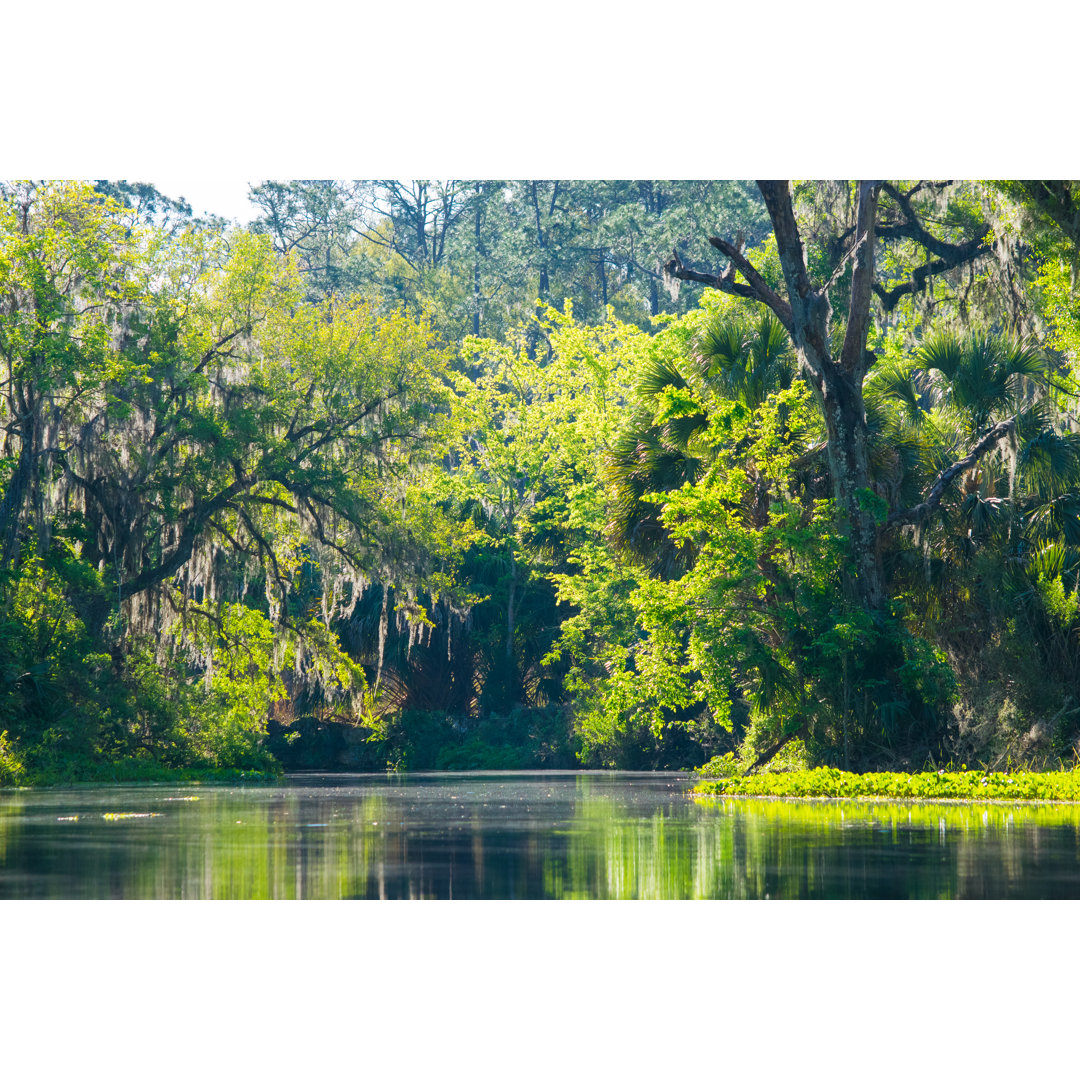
(505, 836)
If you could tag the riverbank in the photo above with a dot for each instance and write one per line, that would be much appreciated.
(130, 771)
(963, 784)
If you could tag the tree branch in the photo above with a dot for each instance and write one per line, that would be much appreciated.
(780, 307)
(196, 523)
(675, 268)
(862, 278)
(777, 196)
(946, 476)
(948, 255)
(917, 282)
(767, 755)
(809, 306)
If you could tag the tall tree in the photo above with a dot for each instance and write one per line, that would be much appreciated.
(173, 401)
(317, 222)
(67, 286)
(835, 359)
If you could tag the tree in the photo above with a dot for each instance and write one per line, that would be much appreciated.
(836, 372)
(67, 284)
(194, 445)
(730, 357)
(255, 404)
(317, 222)
(531, 430)
(181, 400)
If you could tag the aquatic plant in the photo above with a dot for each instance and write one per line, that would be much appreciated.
(962, 784)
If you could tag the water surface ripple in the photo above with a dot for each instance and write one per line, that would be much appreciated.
(518, 835)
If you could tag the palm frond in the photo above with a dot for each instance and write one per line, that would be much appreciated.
(942, 352)
(897, 383)
(656, 376)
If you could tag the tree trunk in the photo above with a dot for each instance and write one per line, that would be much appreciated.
(476, 270)
(21, 484)
(654, 205)
(511, 596)
(837, 382)
(12, 505)
(544, 288)
(806, 315)
(849, 469)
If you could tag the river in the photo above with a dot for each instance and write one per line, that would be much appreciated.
(518, 835)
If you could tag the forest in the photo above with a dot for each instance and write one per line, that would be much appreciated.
(418, 474)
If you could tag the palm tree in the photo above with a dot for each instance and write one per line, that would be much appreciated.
(925, 409)
(733, 358)
(744, 360)
(1000, 558)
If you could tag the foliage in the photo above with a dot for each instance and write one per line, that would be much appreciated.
(739, 628)
(182, 427)
(406, 451)
(531, 431)
(827, 783)
(12, 769)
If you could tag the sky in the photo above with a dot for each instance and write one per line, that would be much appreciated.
(225, 197)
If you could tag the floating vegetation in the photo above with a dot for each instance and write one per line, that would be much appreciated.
(836, 784)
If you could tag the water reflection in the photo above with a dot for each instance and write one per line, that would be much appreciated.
(506, 836)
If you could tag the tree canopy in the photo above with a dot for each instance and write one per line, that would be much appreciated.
(540, 472)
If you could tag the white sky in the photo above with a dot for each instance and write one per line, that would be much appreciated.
(225, 197)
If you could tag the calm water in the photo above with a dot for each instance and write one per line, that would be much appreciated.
(514, 835)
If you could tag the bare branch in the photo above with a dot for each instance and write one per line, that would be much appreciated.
(777, 196)
(780, 307)
(862, 279)
(946, 476)
(677, 269)
(726, 282)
